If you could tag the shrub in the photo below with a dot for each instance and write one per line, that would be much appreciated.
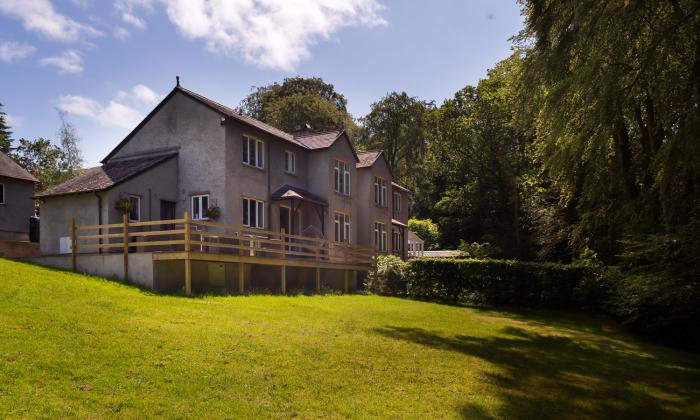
(389, 278)
(427, 230)
(504, 282)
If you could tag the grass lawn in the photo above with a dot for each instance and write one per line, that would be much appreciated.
(73, 345)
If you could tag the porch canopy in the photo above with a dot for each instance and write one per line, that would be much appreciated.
(297, 196)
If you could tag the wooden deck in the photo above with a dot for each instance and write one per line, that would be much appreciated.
(187, 240)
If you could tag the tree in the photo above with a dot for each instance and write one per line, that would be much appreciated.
(298, 102)
(41, 158)
(397, 124)
(428, 231)
(5, 133)
(68, 135)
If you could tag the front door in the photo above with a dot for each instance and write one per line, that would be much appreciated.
(285, 219)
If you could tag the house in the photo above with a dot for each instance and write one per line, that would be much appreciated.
(191, 155)
(416, 245)
(16, 200)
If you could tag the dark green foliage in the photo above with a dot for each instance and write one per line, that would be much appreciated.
(5, 133)
(43, 159)
(389, 277)
(504, 282)
(428, 231)
(299, 101)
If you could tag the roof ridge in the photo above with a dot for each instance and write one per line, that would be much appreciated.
(316, 133)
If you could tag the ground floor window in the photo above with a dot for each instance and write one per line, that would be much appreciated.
(380, 236)
(253, 213)
(396, 242)
(342, 227)
(200, 204)
(135, 211)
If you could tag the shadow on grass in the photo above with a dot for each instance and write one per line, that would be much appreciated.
(544, 376)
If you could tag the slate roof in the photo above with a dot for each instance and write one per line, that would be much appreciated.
(106, 176)
(322, 140)
(368, 158)
(291, 192)
(11, 169)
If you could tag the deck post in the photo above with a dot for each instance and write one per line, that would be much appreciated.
(125, 241)
(347, 281)
(283, 268)
(188, 263)
(241, 278)
(318, 262)
(73, 245)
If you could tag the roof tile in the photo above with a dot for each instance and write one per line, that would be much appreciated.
(11, 169)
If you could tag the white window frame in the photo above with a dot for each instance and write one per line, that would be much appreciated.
(380, 236)
(341, 174)
(138, 207)
(380, 191)
(201, 208)
(259, 212)
(259, 152)
(2, 193)
(397, 203)
(290, 162)
(341, 224)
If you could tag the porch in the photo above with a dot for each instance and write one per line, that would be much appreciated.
(186, 251)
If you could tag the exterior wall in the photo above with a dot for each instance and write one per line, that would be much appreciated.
(321, 173)
(196, 131)
(17, 209)
(371, 212)
(56, 215)
(152, 186)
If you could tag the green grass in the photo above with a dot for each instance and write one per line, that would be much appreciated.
(72, 345)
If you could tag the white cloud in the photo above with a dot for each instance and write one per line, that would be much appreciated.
(269, 33)
(121, 33)
(40, 16)
(69, 62)
(13, 51)
(126, 110)
(127, 9)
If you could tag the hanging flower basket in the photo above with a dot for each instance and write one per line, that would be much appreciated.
(212, 213)
(124, 206)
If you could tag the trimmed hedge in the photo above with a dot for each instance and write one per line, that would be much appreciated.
(504, 282)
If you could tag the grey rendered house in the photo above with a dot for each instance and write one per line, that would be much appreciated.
(191, 154)
(16, 200)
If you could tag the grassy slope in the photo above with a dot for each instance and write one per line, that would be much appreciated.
(74, 345)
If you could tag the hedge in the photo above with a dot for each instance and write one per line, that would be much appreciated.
(504, 282)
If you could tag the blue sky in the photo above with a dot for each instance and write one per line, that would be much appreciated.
(108, 63)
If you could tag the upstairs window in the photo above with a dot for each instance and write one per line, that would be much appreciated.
(342, 177)
(380, 191)
(253, 152)
(290, 162)
(397, 203)
(200, 204)
(342, 227)
(380, 236)
(253, 213)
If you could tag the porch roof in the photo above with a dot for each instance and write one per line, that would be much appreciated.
(289, 192)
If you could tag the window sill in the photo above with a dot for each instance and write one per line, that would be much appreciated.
(253, 166)
(349, 196)
(290, 173)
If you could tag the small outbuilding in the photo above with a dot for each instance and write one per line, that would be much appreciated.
(16, 200)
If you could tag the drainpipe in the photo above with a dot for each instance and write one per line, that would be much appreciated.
(99, 218)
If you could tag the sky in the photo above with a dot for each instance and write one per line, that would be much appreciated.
(107, 64)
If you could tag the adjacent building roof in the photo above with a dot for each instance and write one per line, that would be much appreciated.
(400, 187)
(368, 158)
(413, 238)
(107, 175)
(444, 254)
(9, 168)
(287, 192)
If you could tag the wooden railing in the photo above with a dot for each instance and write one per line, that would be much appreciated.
(202, 236)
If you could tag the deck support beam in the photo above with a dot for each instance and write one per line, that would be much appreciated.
(241, 278)
(346, 286)
(188, 262)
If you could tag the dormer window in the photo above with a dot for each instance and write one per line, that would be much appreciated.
(290, 162)
(253, 152)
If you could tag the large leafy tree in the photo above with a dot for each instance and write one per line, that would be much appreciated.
(299, 102)
(398, 124)
(614, 89)
(43, 159)
(5, 133)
